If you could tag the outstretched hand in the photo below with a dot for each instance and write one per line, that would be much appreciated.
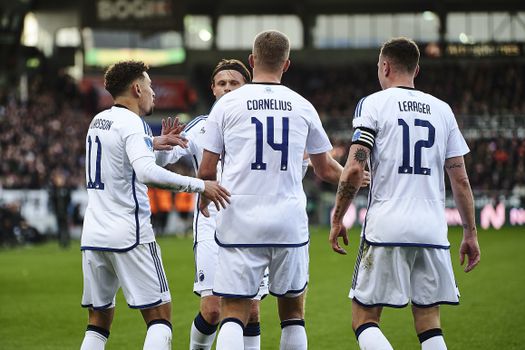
(167, 142)
(170, 135)
(213, 192)
(338, 230)
(171, 126)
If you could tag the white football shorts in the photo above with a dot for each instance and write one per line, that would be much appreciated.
(395, 276)
(240, 271)
(206, 255)
(138, 271)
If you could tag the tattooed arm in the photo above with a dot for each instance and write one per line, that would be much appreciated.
(460, 184)
(349, 184)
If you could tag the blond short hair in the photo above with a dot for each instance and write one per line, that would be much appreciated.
(271, 49)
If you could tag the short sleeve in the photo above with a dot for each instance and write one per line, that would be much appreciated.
(365, 124)
(137, 140)
(212, 136)
(456, 144)
(317, 141)
(365, 115)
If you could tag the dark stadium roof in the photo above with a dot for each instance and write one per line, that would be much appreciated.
(307, 6)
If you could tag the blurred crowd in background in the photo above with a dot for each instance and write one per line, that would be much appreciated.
(42, 141)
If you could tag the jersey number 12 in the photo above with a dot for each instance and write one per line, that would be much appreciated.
(270, 139)
(405, 168)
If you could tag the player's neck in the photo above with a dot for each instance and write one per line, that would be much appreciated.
(263, 76)
(129, 103)
(401, 82)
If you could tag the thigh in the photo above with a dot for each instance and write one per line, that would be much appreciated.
(205, 253)
(382, 276)
(142, 277)
(100, 280)
(240, 271)
(432, 279)
(288, 271)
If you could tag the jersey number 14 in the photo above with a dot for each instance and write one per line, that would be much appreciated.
(282, 147)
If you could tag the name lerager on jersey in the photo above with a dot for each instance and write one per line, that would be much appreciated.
(413, 106)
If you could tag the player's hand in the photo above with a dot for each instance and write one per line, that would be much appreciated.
(213, 192)
(171, 126)
(338, 230)
(203, 206)
(168, 141)
(366, 179)
(469, 247)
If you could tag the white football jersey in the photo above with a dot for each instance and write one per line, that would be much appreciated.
(203, 227)
(414, 134)
(118, 213)
(262, 132)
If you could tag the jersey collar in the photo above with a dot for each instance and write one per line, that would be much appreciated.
(405, 87)
(263, 83)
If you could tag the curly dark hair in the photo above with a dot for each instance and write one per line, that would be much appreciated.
(232, 64)
(120, 75)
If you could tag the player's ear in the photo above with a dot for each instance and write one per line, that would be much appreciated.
(136, 89)
(416, 71)
(286, 65)
(251, 60)
(386, 68)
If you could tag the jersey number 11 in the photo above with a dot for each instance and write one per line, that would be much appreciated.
(97, 184)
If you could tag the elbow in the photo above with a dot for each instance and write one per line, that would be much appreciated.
(463, 182)
(142, 177)
(326, 174)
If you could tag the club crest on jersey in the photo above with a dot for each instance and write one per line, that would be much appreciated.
(201, 276)
(268, 90)
(203, 130)
(149, 143)
(357, 135)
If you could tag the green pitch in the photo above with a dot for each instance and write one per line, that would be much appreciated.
(40, 290)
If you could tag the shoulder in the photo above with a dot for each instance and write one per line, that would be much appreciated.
(442, 105)
(195, 123)
(367, 102)
(130, 123)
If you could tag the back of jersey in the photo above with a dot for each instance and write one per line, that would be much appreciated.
(263, 130)
(118, 213)
(414, 134)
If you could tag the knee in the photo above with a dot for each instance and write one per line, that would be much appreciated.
(101, 318)
(254, 314)
(212, 314)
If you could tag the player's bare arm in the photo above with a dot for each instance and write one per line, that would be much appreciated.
(349, 184)
(213, 192)
(326, 167)
(463, 197)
